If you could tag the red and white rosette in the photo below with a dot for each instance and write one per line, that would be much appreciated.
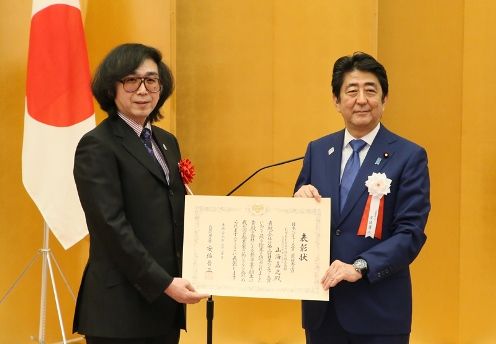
(378, 186)
(187, 173)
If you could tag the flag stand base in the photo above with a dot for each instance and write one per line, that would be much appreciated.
(46, 267)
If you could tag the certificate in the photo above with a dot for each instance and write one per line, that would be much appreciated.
(265, 247)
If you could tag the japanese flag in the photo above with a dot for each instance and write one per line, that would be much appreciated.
(59, 110)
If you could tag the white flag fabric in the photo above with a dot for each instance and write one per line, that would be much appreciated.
(59, 110)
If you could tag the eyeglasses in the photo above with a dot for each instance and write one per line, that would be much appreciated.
(133, 83)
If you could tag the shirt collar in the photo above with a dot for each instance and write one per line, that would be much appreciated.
(138, 128)
(369, 138)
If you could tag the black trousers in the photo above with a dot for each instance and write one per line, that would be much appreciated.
(172, 338)
(331, 332)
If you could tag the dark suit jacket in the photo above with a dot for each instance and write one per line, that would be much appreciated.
(135, 221)
(381, 303)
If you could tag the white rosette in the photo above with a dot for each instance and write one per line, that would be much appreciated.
(378, 186)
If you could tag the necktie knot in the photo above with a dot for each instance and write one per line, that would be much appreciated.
(357, 145)
(146, 134)
(146, 137)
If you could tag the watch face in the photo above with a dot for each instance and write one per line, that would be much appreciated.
(360, 264)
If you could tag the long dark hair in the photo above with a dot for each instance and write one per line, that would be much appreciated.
(124, 60)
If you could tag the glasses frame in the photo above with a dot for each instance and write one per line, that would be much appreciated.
(142, 81)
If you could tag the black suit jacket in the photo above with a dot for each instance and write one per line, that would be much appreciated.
(135, 221)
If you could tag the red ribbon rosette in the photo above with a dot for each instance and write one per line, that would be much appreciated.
(379, 185)
(187, 171)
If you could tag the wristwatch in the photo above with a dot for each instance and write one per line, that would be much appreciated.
(361, 266)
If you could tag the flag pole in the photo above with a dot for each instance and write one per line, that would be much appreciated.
(47, 264)
(46, 267)
(59, 117)
(45, 248)
(47, 257)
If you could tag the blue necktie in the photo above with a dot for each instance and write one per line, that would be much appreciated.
(350, 170)
(146, 137)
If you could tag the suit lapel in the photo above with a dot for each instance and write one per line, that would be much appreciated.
(375, 161)
(333, 170)
(165, 153)
(136, 148)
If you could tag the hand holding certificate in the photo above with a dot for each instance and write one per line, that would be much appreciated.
(271, 247)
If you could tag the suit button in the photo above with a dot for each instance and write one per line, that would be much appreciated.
(338, 232)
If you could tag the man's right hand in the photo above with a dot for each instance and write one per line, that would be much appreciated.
(183, 292)
(308, 191)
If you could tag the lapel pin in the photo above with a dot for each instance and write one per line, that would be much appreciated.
(378, 161)
(386, 155)
(163, 145)
(330, 151)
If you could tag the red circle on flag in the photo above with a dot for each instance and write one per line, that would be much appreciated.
(58, 80)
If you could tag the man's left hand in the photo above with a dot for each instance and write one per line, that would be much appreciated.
(337, 272)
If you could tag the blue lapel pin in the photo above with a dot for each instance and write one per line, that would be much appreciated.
(378, 161)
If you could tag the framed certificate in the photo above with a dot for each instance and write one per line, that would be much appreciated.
(266, 247)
